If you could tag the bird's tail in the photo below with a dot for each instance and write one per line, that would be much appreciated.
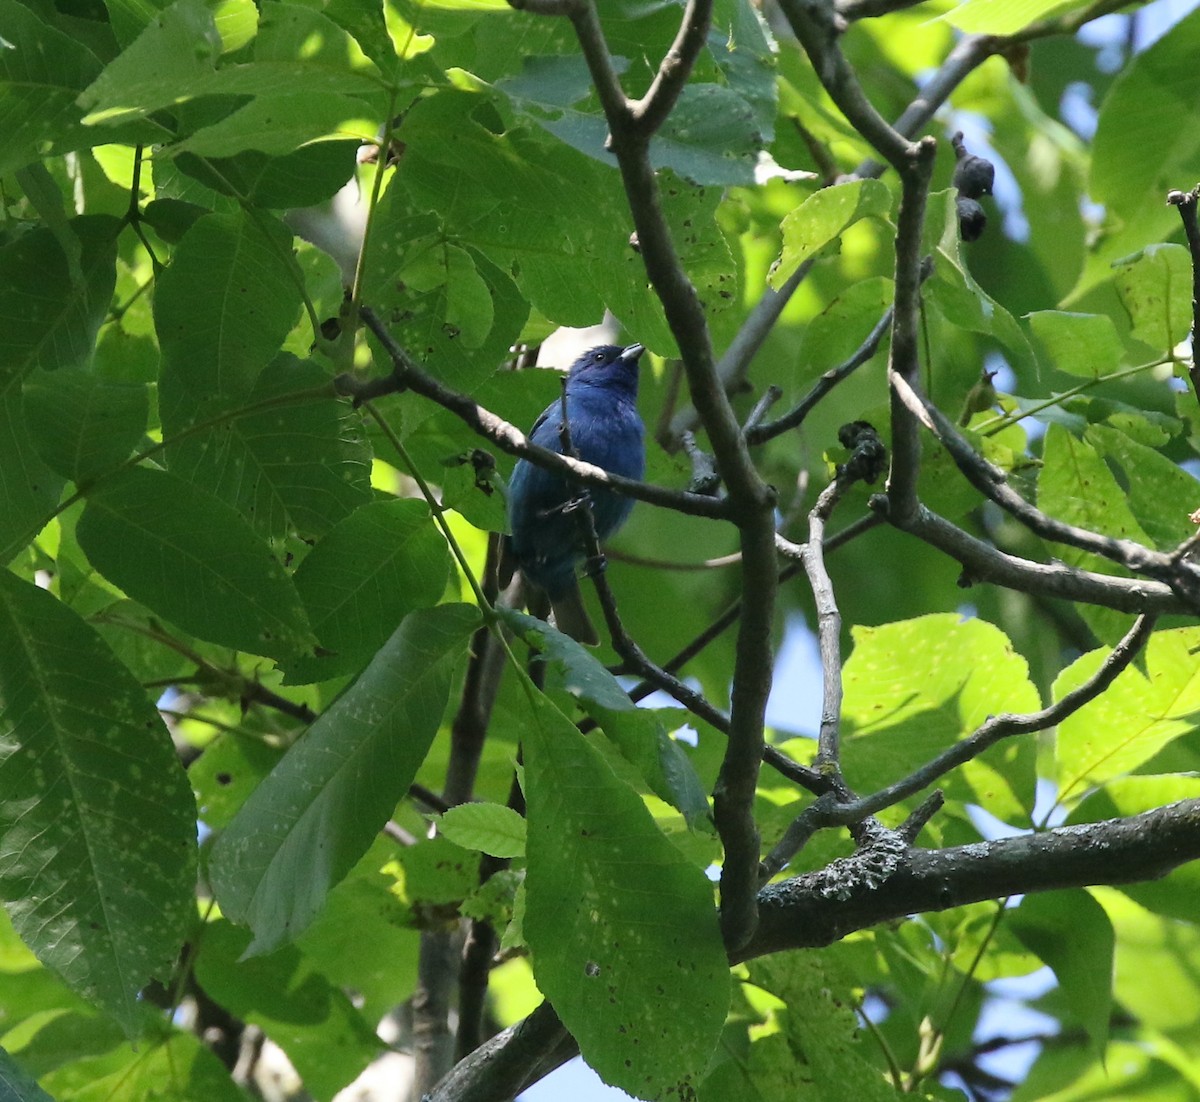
(571, 617)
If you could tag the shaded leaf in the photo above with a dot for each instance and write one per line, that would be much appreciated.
(194, 560)
(1070, 932)
(42, 72)
(81, 425)
(376, 566)
(97, 865)
(621, 926)
(1082, 344)
(307, 824)
(294, 467)
(222, 309)
(284, 994)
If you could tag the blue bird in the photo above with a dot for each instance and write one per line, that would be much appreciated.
(606, 430)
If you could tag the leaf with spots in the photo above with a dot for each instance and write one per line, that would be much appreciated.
(1075, 485)
(97, 822)
(307, 824)
(622, 927)
(192, 559)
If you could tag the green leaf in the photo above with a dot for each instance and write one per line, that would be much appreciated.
(1173, 895)
(374, 568)
(230, 768)
(1156, 978)
(818, 1040)
(1076, 486)
(489, 828)
(1005, 16)
(176, 51)
(1148, 100)
(955, 293)
(427, 288)
(314, 1022)
(641, 736)
(1161, 494)
(621, 926)
(743, 50)
(315, 815)
(1070, 931)
(15, 1085)
(302, 178)
(223, 307)
(193, 559)
(823, 217)
(81, 425)
(549, 214)
(97, 865)
(1149, 704)
(583, 675)
(1081, 344)
(281, 123)
(365, 908)
(42, 71)
(1155, 286)
(174, 1064)
(293, 467)
(47, 318)
(842, 326)
(637, 732)
(914, 688)
(710, 139)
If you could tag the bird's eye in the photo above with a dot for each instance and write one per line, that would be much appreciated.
(598, 357)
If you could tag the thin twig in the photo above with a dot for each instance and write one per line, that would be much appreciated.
(1185, 203)
(984, 563)
(1001, 726)
(759, 434)
(816, 26)
(407, 374)
(829, 627)
(990, 481)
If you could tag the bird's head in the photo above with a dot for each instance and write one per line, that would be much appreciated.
(608, 365)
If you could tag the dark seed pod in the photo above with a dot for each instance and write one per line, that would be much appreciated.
(973, 176)
(971, 219)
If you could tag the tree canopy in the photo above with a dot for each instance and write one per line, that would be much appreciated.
(278, 756)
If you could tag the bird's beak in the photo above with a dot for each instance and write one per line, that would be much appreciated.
(630, 353)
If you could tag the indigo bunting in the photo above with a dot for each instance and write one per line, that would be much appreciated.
(606, 430)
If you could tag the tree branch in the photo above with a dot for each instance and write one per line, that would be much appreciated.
(796, 914)
(984, 563)
(816, 26)
(652, 110)
(998, 727)
(1185, 203)
(407, 374)
(990, 481)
